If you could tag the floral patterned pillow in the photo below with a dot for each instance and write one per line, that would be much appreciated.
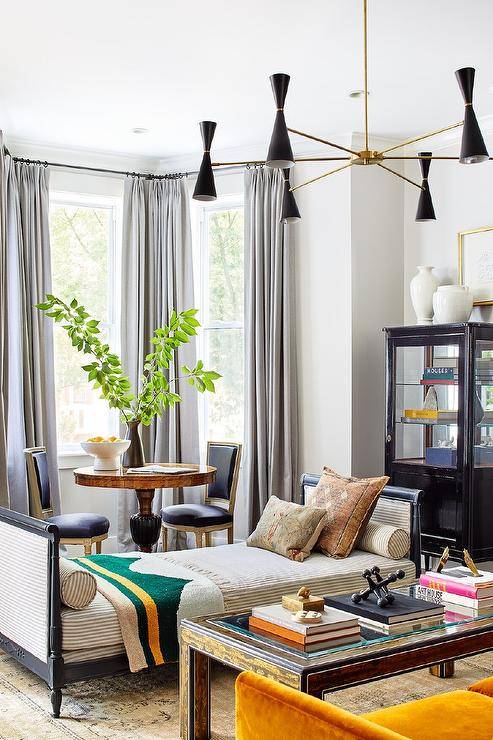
(349, 503)
(288, 529)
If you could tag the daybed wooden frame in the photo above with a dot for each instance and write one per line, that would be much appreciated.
(54, 670)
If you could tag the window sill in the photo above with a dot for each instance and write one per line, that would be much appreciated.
(71, 460)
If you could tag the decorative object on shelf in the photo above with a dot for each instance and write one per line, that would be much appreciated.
(443, 559)
(280, 153)
(476, 263)
(106, 372)
(431, 399)
(478, 408)
(447, 443)
(303, 601)
(377, 586)
(452, 304)
(422, 287)
(444, 454)
(304, 617)
(471, 564)
(106, 454)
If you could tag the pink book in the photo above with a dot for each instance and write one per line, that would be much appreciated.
(453, 586)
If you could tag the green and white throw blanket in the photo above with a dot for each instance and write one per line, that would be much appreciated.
(148, 604)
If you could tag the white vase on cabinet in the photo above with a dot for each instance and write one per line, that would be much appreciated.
(452, 304)
(422, 287)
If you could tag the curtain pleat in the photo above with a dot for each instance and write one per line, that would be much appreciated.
(4, 322)
(28, 363)
(271, 415)
(157, 276)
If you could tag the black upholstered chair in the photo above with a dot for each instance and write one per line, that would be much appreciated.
(75, 529)
(216, 513)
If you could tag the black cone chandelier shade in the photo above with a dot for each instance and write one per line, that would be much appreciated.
(473, 149)
(289, 211)
(280, 154)
(425, 211)
(205, 188)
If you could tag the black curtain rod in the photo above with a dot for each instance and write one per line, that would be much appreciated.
(146, 175)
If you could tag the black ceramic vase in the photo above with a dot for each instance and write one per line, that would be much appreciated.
(134, 456)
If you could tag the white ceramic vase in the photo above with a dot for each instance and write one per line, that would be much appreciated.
(452, 304)
(422, 287)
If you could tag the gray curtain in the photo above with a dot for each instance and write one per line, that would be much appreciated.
(4, 489)
(31, 412)
(271, 417)
(157, 276)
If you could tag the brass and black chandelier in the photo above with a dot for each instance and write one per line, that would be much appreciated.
(280, 155)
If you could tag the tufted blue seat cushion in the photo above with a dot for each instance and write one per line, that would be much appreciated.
(75, 526)
(195, 515)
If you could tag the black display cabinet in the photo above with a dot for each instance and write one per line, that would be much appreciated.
(447, 449)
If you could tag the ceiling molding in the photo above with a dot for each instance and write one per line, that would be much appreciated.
(79, 156)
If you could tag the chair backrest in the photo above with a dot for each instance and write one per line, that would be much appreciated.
(39, 482)
(226, 457)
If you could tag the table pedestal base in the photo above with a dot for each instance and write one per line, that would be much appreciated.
(145, 526)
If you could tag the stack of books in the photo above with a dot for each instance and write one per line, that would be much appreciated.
(404, 614)
(459, 590)
(275, 622)
(429, 416)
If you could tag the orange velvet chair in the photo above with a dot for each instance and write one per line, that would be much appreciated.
(267, 710)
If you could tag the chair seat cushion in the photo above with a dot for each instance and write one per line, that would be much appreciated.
(456, 714)
(75, 526)
(195, 515)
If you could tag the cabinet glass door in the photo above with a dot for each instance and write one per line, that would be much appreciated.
(483, 404)
(426, 404)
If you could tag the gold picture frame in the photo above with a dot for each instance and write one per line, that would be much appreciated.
(476, 263)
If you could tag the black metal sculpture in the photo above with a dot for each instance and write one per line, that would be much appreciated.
(378, 586)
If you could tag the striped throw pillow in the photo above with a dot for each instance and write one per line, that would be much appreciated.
(385, 540)
(77, 586)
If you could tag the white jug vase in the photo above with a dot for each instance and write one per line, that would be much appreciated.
(422, 287)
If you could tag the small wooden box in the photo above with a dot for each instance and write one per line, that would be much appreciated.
(294, 603)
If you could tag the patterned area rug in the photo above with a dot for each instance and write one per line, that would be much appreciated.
(144, 706)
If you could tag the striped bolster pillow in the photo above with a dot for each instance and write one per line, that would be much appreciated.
(385, 540)
(77, 586)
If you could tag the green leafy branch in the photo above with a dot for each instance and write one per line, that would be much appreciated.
(106, 373)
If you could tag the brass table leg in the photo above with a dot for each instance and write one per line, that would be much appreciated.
(195, 710)
(443, 670)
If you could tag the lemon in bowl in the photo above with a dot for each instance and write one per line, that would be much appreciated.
(106, 451)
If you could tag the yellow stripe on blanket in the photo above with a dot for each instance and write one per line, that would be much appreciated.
(149, 605)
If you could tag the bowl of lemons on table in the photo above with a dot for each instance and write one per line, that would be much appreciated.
(106, 451)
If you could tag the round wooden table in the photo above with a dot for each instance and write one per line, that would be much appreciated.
(145, 526)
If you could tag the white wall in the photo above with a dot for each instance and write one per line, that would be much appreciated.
(323, 319)
(377, 210)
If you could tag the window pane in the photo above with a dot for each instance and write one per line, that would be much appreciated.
(225, 235)
(81, 239)
(225, 407)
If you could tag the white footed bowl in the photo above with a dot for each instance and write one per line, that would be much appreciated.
(106, 454)
(452, 304)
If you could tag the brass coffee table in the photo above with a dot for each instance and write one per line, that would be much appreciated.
(226, 639)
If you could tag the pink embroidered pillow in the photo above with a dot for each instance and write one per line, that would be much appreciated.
(287, 529)
(349, 503)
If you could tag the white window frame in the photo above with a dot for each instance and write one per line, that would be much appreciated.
(114, 205)
(223, 203)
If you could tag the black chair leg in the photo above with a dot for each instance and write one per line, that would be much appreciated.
(56, 702)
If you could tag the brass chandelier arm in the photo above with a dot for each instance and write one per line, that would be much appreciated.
(365, 62)
(322, 141)
(417, 157)
(397, 174)
(322, 159)
(234, 164)
(423, 136)
(320, 177)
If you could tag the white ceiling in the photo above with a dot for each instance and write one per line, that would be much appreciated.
(83, 74)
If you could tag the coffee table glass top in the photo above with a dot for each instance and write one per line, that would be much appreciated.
(238, 623)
